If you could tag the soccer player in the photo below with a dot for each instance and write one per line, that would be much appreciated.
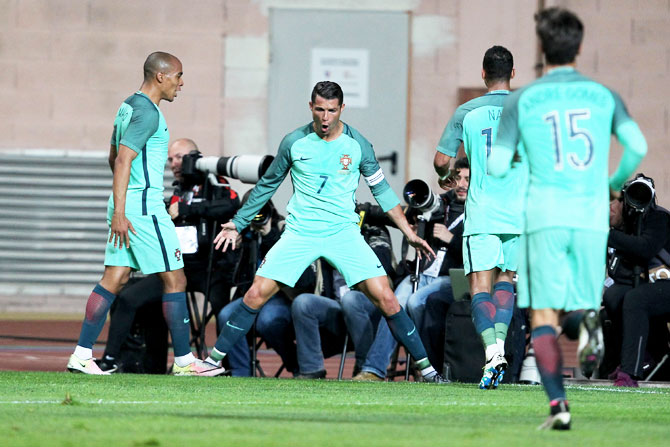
(564, 121)
(326, 159)
(142, 235)
(493, 211)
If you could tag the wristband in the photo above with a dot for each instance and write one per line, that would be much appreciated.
(445, 176)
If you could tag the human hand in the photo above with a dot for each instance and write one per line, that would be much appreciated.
(227, 236)
(119, 230)
(448, 183)
(421, 246)
(442, 233)
(173, 210)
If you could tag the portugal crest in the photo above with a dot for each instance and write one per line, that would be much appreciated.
(177, 254)
(345, 160)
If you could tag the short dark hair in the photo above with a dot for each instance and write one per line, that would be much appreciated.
(561, 33)
(328, 90)
(462, 163)
(498, 64)
(157, 62)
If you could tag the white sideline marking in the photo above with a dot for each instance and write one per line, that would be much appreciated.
(614, 389)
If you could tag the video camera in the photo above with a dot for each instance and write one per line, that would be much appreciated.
(639, 193)
(419, 196)
(246, 168)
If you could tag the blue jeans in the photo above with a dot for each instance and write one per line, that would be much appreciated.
(274, 324)
(319, 330)
(371, 335)
(416, 302)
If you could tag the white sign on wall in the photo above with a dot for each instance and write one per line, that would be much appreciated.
(347, 67)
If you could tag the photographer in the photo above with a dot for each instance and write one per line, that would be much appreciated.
(194, 207)
(638, 245)
(444, 233)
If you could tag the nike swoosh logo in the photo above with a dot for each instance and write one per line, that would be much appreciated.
(379, 266)
(186, 320)
(305, 159)
(412, 331)
(233, 326)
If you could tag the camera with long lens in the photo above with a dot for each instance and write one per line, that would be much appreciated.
(638, 194)
(419, 196)
(246, 168)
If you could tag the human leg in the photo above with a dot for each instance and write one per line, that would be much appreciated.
(640, 305)
(239, 359)
(131, 298)
(401, 326)
(416, 303)
(369, 332)
(97, 308)
(240, 321)
(309, 313)
(275, 325)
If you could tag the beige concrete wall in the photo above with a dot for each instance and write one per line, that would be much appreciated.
(65, 65)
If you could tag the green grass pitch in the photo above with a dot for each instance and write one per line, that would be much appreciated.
(60, 409)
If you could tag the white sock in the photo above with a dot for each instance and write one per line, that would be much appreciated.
(83, 353)
(501, 346)
(212, 361)
(491, 350)
(184, 360)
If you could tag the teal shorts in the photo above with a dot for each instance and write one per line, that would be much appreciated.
(345, 250)
(483, 252)
(562, 268)
(155, 248)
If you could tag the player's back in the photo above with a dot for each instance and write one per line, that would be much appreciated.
(494, 205)
(565, 122)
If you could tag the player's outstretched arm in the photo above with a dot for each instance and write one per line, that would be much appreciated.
(227, 236)
(120, 224)
(634, 150)
(398, 217)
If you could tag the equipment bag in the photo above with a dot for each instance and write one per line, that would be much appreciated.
(464, 357)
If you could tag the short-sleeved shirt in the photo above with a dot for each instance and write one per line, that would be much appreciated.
(325, 175)
(494, 205)
(564, 121)
(140, 125)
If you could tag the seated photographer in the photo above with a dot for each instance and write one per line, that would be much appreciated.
(319, 321)
(194, 207)
(638, 244)
(273, 322)
(446, 239)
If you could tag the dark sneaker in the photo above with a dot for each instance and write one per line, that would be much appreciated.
(108, 364)
(591, 347)
(437, 378)
(559, 417)
(321, 374)
(625, 380)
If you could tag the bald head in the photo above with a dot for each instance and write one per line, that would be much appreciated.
(159, 62)
(176, 152)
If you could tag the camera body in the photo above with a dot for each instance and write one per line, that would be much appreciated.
(246, 168)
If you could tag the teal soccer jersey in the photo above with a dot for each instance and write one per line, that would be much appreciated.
(564, 121)
(494, 205)
(139, 125)
(325, 175)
